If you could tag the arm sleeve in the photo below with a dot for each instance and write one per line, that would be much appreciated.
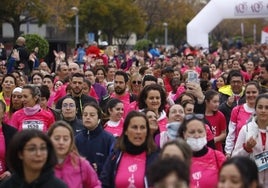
(239, 149)
(91, 179)
(11, 61)
(106, 174)
(230, 139)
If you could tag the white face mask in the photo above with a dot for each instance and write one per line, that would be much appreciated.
(196, 143)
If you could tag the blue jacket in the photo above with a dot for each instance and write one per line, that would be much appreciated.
(109, 171)
(95, 145)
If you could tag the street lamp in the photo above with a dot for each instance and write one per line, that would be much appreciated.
(76, 10)
(166, 33)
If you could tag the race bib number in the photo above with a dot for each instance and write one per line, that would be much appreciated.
(33, 124)
(262, 160)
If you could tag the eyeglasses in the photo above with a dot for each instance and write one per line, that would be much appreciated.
(192, 116)
(34, 150)
(136, 82)
(66, 105)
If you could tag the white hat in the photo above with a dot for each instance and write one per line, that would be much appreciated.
(17, 89)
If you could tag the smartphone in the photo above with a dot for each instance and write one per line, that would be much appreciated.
(192, 77)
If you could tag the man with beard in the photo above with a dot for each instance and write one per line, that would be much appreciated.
(120, 91)
(263, 77)
(76, 88)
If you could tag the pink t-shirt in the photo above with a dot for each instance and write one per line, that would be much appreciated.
(125, 99)
(218, 125)
(115, 128)
(2, 152)
(131, 171)
(42, 120)
(240, 116)
(204, 170)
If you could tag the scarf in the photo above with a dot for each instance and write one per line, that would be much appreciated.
(29, 111)
(132, 149)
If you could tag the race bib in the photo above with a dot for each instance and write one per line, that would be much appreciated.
(33, 124)
(261, 160)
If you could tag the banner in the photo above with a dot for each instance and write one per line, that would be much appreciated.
(216, 11)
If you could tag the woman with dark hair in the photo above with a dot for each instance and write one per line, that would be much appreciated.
(31, 116)
(199, 107)
(94, 143)
(152, 118)
(206, 162)
(48, 80)
(240, 115)
(133, 153)
(219, 82)
(185, 96)
(68, 114)
(177, 148)
(215, 118)
(101, 76)
(31, 159)
(115, 111)
(37, 78)
(72, 169)
(153, 97)
(167, 172)
(8, 84)
(88, 89)
(239, 172)
(253, 138)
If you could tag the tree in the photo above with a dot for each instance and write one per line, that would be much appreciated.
(114, 18)
(142, 44)
(60, 12)
(33, 41)
(17, 12)
(176, 13)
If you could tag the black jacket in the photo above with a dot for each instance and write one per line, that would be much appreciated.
(76, 124)
(8, 132)
(45, 180)
(225, 109)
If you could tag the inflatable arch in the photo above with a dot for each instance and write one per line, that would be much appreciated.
(217, 10)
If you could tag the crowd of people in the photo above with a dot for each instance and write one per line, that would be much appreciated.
(102, 117)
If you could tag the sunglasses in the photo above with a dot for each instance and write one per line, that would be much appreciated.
(192, 116)
(136, 82)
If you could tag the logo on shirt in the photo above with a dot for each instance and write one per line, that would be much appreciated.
(132, 169)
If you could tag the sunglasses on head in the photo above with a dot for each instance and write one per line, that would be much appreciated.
(136, 82)
(192, 116)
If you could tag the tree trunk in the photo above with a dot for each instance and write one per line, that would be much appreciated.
(16, 28)
(110, 38)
